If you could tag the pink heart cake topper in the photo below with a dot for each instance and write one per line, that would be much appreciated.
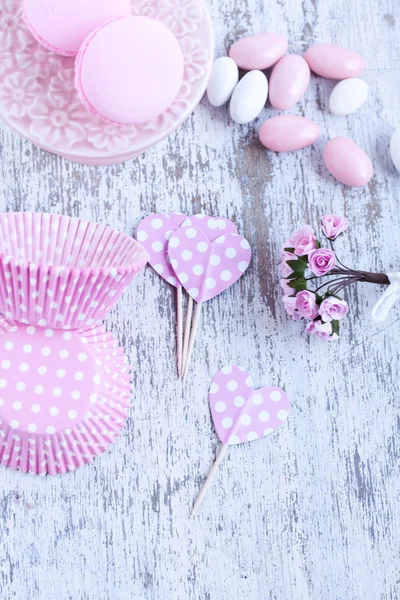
(154, 232)
(205, 268)
(242, 414)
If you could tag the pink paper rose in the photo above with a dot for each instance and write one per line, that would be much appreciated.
(321, 330)
(333, 225)
(299, 233)
(286, 271)
(306, 304)
(332, 309)
(321, 261)
(303, 241)
(287, 290)
(285, 255)
(289, 303)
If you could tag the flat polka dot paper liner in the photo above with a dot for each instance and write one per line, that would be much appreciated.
(241, 413)
(154, 233)
(64, 396)
(61, 272)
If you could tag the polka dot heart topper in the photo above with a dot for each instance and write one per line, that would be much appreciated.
(206, 268)
(242, 414)
(212, 227)
(154, 233)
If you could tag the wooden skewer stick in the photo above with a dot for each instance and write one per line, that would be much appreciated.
(210, 479)
(179, 328)
(195, 327)
(189, 313)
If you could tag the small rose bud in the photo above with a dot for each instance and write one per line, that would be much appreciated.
(333, 309)
(333, 225)
(306, 304)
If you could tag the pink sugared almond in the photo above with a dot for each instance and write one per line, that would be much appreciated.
(347, 162)
(288, 82)
(334, 62)
(259, 51)
(288, 132)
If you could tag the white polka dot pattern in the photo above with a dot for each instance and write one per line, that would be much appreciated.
(241, 414)
(207, 268)
(213, 227)
(74, 287)
(62, 402)
(154, 232)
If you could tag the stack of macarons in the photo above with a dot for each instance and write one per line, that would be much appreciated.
(129, 69)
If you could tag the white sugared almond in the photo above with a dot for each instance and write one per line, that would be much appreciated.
(223, 79)
(347, 96)
(249, 97)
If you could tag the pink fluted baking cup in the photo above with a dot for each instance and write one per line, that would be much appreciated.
(64, 396)
(61, 272)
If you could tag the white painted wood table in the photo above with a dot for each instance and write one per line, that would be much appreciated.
(309, 513)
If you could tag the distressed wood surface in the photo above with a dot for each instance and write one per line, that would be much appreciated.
(309, 513)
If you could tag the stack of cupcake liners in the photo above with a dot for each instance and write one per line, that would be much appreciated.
(61, 272)
(65, 385)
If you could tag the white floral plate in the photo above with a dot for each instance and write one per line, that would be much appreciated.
(38, 97)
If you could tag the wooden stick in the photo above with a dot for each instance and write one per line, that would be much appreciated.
(195, 326)
(189, 313)
(210, 479)
(179, 328)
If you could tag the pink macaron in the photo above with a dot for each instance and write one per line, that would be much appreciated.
(62, 25)
(129, 70)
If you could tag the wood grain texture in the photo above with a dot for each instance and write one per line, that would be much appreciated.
(310, 513)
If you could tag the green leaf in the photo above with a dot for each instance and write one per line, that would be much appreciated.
(298, 266)
(291, 250)
(335, 327)
(298, 284)
(292, 263)
(330, 295)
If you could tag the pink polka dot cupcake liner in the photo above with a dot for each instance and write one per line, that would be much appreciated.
(64, 396)
(61, 272)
